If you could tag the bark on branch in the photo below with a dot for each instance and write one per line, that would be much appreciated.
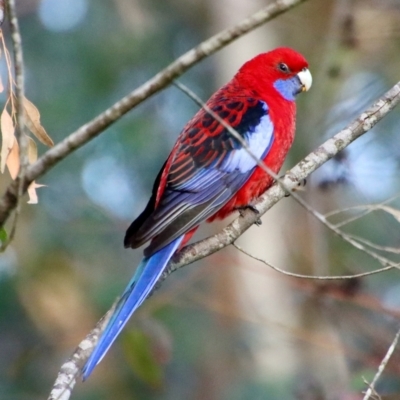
(93, 128)
(368, 119)
(70, 370)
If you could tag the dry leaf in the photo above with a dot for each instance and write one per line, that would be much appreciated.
(32, 150)
(8, 138)
(33, 123)
(33, 198)
(13, 160)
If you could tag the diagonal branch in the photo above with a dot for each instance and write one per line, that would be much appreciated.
(382, 366)
(229, 234)
(66, 379)
(345, 236)
(93, 128)
(314, 160)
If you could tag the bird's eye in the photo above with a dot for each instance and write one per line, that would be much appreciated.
(283, 67)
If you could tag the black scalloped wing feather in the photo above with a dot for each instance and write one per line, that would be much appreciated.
(200, 179)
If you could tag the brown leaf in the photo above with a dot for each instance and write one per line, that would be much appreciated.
(32, 150)
(13, 160)
(33, 123)
(33, 198)
(8, 138)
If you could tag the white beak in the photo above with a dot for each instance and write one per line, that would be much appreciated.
(305, 79)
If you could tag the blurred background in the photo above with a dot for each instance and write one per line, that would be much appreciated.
(227, 327)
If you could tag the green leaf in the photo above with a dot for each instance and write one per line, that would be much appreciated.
(139, 352)
(3, 235)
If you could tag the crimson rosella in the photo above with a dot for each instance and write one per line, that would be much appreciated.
(209, 174)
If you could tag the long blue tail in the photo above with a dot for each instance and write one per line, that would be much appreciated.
(140, 286)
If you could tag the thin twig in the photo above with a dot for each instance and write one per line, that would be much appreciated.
(66, 379)
(365, 210)
(93, 128)
(299, 172)
(387, 249)
(354, 218)
(346, 237)
(232, 131)
(9, 73)
(315, 277)
(291, 179)
(382, 366)
(20, 127)
(363, 207)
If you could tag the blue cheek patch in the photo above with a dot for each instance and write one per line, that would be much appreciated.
(288, 88)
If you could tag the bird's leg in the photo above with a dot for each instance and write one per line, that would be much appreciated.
(258, 221)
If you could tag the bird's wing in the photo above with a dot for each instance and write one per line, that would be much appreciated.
(204, 171)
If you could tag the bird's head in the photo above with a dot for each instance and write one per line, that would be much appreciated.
(282, 69)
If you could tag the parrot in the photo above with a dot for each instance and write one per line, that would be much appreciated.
(209, 174)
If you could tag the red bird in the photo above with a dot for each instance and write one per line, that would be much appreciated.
(209, 174)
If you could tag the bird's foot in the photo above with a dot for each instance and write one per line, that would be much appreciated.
(258, 221)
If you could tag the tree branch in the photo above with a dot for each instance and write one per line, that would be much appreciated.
(93, 128)
(314, 277)
(20, 126)
(19, 80)
(290, 180)
(66, 378)
(345, 236)
(229, 234)
(382, 366)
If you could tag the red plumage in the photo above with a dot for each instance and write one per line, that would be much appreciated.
(253, 83)
(209, 174)
(257, 76)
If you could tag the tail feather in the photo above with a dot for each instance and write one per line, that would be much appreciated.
(146, 276)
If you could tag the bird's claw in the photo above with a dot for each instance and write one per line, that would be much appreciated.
(258, 221)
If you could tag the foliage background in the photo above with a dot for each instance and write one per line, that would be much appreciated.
(227, 327)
